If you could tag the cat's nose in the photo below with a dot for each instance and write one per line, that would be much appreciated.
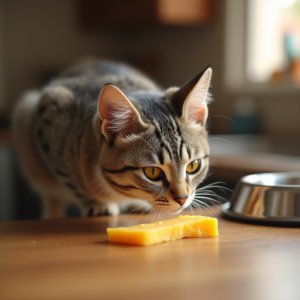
(181, 200)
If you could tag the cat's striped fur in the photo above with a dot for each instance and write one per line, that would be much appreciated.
(89, 135)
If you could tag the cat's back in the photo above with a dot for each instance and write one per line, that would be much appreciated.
(86, 80)
(100, 68)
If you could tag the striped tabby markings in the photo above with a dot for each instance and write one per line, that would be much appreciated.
(157, 133)
(177, 128)
(41, 110)
(61, 173)
(40, 133)
(44, 107)
(45, 147)
(171, 121)
(188, 152)
(78, 195)
(165, 146)
(124, 187)
(180, 148)
(90, 212)
(47, 122)
(70, 186)
(170, 148)
(166, 156)
(125, 169)
(161, 157)
(73, 188)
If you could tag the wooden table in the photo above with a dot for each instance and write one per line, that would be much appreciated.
(72, 259)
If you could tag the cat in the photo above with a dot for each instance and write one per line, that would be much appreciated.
(103, 134)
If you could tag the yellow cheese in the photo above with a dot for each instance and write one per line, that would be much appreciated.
(169, 230)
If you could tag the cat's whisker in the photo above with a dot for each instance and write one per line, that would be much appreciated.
(151, 213)
(192, 213)
(221, 139)
(211, 194)
(220, 117)
(206, 192)
(145, 212)
(138, 202)
(214, 185)
(134, 210)
(155, 214)
(213, 201)
(152, 209)
(196, 205)
(204, 205)
(160, 214)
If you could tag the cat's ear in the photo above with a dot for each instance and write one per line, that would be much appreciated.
(190, 101)
(119, 117)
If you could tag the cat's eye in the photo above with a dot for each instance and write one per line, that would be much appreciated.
(193, 166)
(153, 173)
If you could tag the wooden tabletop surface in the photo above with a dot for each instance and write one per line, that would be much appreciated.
(72, 259)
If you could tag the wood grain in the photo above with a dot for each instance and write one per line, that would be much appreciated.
(72, 259)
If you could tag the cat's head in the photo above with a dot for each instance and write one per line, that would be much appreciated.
(155, 144)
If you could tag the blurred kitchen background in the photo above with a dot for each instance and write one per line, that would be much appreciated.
(253, 47)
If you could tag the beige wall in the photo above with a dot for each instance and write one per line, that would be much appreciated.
(41, 36)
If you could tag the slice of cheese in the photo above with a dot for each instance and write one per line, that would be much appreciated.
(169, 230)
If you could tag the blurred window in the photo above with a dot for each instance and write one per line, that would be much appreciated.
(273, 42)
(262, 46)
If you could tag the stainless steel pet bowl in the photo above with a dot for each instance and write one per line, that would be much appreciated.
(269, 198)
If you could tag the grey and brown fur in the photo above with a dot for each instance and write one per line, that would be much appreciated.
(87, 136)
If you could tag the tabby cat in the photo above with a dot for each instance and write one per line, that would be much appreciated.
(103, 134)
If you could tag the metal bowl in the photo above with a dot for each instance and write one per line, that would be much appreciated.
(269, 198)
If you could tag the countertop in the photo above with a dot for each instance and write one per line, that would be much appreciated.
(72, 259)
(235, 156)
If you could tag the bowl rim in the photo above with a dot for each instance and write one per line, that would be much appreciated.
(252, 179)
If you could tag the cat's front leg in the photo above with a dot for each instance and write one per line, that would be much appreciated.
(100, 209)
(53, 207)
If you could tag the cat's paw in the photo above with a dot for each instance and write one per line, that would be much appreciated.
(137, 207)
(100, 209)
(113, 209)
